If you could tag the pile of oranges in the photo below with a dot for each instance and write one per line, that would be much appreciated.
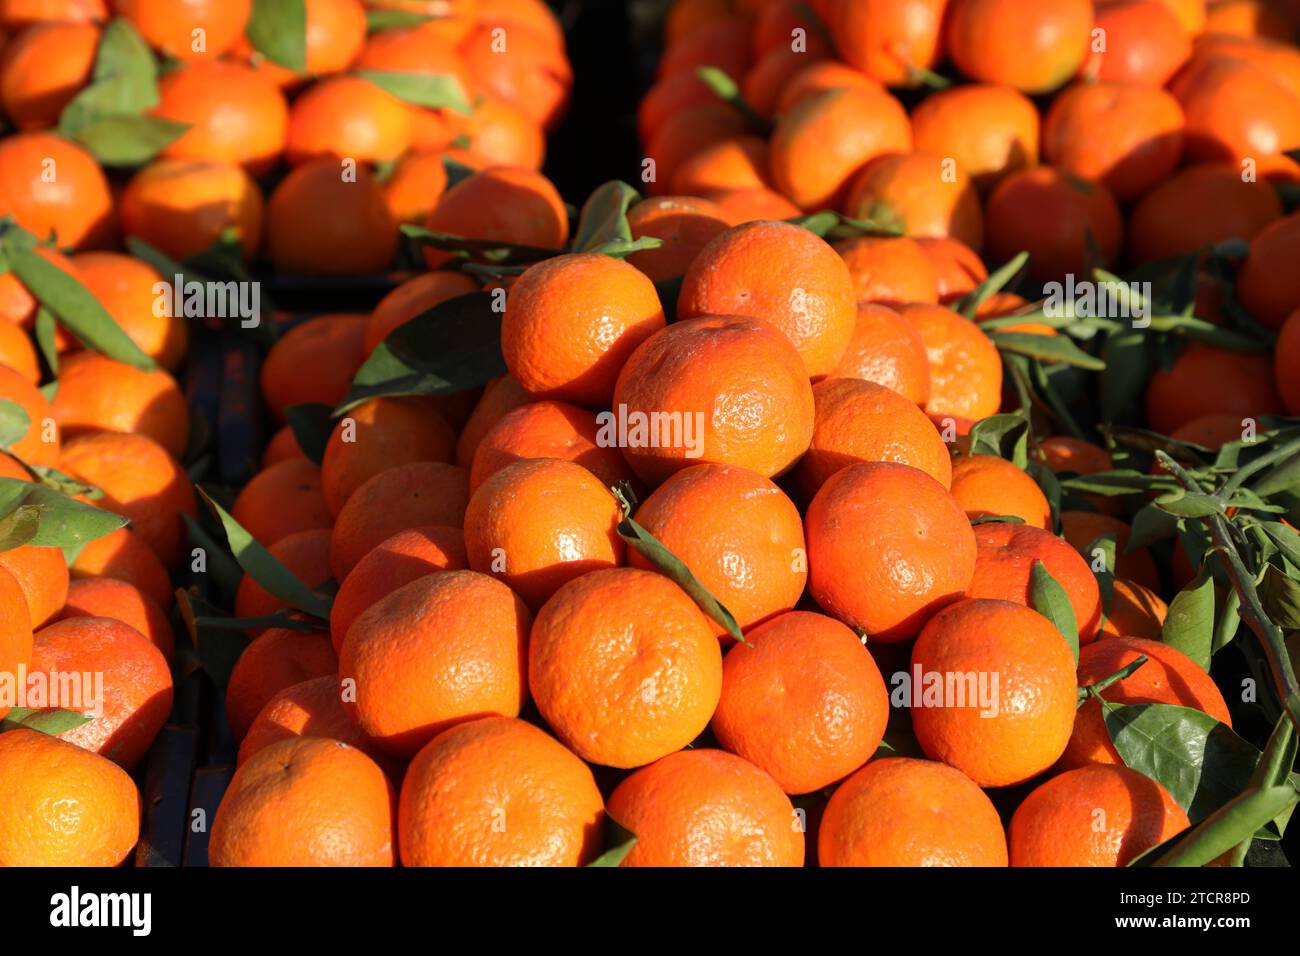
(769, 519)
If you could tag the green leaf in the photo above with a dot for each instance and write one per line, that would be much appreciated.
(217, 649)
(129, 140)
(312, 424)
(19, 527)
(52, 721)
(1189, 504)
(64, 522)
(278, 30)
(385, 19)
(1049, 599)
(727, 90)
(1047, 348)
(970, 303)
(125, 80)
(1006, 436)
(1121, 481)
(1231, 824)
(490, 250)
(1189, 626)
(603, 221)
(1150, 526)
(1128, 358)
(1280, 596)
(615, 856)
(15, 423)
(44, 331)
(1103, 544)
(1286, 539)
(431, 91)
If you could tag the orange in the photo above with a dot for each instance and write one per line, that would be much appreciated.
(683, 134)
(496, 133)
(275, 659)
(411, 298)
(1250, 18)
(125, 555)
(306, 801)
(283, 444)
(98, 394)
(305, 554)
(1236, 110)
(727, 390)
(15, 630)
(235, 114)
(125, 287)
(1135, 611)
(347, 117)
(42, 574)
(987, 486)
(1142, 141)
(776, 22)
(748, 205)
(1206, 380)
(407, 496)
(183, 207)
(887, 547)
(15, 14)
(899, 811)
(336, 33)
(51, 185)
(399, 560)
(535, 15)
(64, 806)
(738, 534)
(723, 43)
(137, 685)
(738, 162)
(782, 274)
(889, 40)
(281, 500)
(889, 271)
(920, 194)
(1215, 431)
(314, 362)
(521, 67)
(17, 306)
(684, 224)
(498, 792)
(504, 203)
(1168, 677)
(765, 81)
(624, 667)
(1081, 528)
(990, 131)
(707, 808)
(887, 349)
(965, 367)
(195, 30)
(666, 97)
(1281, 59)
(445, 648)
(548, 430)
(33, 448)
(824, 139)
(571, 322)
(803, 700)
(957, 267)
(1073, 456)
(414, 187)
(820, 77)
(998, 734)
(500, 396)
(1190, 13)
(44, 67)
(324, 220)
(540, 523)
(1265, 286)
(312, 708)
(142, 483)
(1145, 44)
(1032, 46)
(1093, 816)
(1051, 215)
(1287, 361)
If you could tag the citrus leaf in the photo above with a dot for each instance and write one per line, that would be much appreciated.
(1128, 357)
(421, 89)
(216, 649)
(1120, 481)
(19, 527)
(603, 220)
(1047, 348)
(1280, 596)
(15, 423)
(385, 19)
(1189, 625)
(1049, 599)
(1230, 825)
(970, 303)
(490, 250)
(1006, 436)
(125, 80)
(1189, 504)
(52, 721)
(129, 140)
(312, 423)
(615, 856)
(278, 30)
(44, 331)
(64, 522)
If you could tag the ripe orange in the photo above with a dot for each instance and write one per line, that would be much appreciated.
(1093, 816)
(887, 547)
(749, 205)
(235, 114)
(1249, 18)
(1265, 285)
(904, 812)
(821, 77)
(313, 362)
(990, 131)
(1002, 733)
(195, 30)
(125, 555)
(685, 224)
(504, 203)
(957, 267)
(500, 396)
(707, 808)
(306, 801)
(33, 448)
(889, 271)
(98, 394)
(347, 117)
(44, 67)
(42, 574)
(411, 298)
(624, 667)
(965, 367)
(283, 444)
(17, 306)
(802, 700)
(1032, 46)
(125, 287)
(738, 162)
(324, 219)
(16, 14)
(523, 68)
(1145, 44)
(722, 42)
(1081, 528)
(767, 79)
(282, 500)
(1236, 110)
(1205, 380)
(312, 708)
(50, 184)
(1190, 13)
(919, 193)
(1135, 611)
(685, 132)
(183, 207)
(498, 792)
(887, 349)
(275, 659)
(336, 33)
(306, 555)
(15, 630)
(445, 648)
(986, 485)
(413, 189)
(889, 39)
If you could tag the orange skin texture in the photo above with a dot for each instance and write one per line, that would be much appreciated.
(168, 25)
(31, 448)
(1168, 677)
(377, 435)
(986, 486)
(1199, 206)
(347, 116)
(312, 708)
(772, 72)
(825, 138)
(530, 73)
(275, 659)
(64, 806)
(1135, 611)
(1056, 825)
(665, 98)
(141, 482)
(336, 34)
(500, 397)
(462, 781)
(125, 288)
(1145, 44)
(1247, 18)
(1287, 363)
(571, 322)
(43, 576)
(282, 500)
(859, 421)
(306, 554)
(305, 801)
(505, 203)
(16, 14)
(445, 648)
(1142, 142)
(749, 205)
(1279, 58)
(802, 700)
(412, 297)
(1032, 46)
(77, 205)
(707, 808)
(889, 271)
(782, 274)
(407, 496)
(912, 190)
(739, 162)
(1265, 284)
(724, 43)
(15, 628)
(821, 77)
(965, 367)
(1007, 554)
(236, 115)
(1204, 380)
(125, 555)
(688, 131)
(1049, 214)
(887, 349)
(183, 206)
(624, 667)
(540, 523)
(685, 224)
(900, 811)
(1081, 528)
(44, 67)
(1035, 691)
(958, 269)
(1236, 110)
(137, 684)
(991, 131)
(317, 224)
(98, 394)
(737, 532)
(547, 430)
(887, 547)
(399, 560)
(414, 188)
(889, 39)
(313, 362)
